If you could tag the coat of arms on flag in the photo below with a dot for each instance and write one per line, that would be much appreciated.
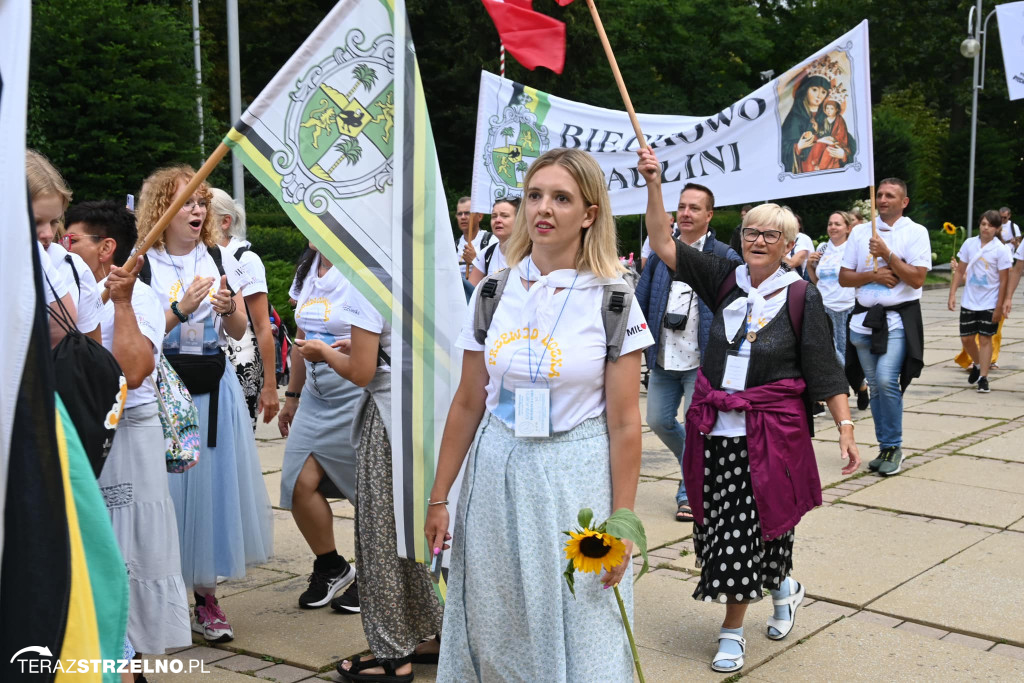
(340, 125)
(516, 137)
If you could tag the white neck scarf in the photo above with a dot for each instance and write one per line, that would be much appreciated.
(539, 296)
(735, 313)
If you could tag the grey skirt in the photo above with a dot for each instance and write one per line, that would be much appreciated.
(322, 428)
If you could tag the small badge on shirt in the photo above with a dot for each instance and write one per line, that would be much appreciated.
(533, 412)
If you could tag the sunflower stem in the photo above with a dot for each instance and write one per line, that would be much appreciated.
(629, 634)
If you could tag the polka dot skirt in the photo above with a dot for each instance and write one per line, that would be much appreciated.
(735, 562)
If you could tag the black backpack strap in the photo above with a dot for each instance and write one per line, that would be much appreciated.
(71, 262)
(618, 298)
(796, 296)
(146, 272)
(487, 302)
(485, 239)
(218, 258)
(723, 290)
(487, 257)
(241, 250)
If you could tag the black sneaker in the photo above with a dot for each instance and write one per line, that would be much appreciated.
(983, 385)
(974, 375)
(325, 585)
(863, 400)
(818, 409)
(347, 602)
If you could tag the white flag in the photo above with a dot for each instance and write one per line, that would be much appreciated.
(1011, 34)
(806, 132)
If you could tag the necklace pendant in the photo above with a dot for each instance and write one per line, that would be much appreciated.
(751, 337)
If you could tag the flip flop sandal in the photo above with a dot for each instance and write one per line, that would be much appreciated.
(684, 513)
(426, 657)
(784, 626)
(358, 664)
(727, 657)
(389, 675)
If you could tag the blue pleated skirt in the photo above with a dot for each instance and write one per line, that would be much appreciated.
(223, 512)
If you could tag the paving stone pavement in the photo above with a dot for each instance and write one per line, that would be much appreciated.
(912, 577)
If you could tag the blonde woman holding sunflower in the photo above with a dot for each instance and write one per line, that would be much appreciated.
(509, 614)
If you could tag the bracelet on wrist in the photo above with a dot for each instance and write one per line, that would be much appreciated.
(437, 502)
(177, 312)
(841, 423)
(292, 394)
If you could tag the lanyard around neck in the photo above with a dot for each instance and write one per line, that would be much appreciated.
(551, 335)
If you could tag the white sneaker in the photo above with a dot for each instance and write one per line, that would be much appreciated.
(209, 621)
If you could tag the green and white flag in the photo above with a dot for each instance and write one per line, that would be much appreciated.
(341, 138)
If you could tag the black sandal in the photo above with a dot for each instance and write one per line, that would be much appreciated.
(426, 657)
(389, 666)
(684, 513)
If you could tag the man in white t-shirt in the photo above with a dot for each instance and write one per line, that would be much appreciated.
(983, 267)
(465, 249)
(1010, 230)
(797, 257)
(886, 331)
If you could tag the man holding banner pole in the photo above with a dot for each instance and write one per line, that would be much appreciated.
(886, 338)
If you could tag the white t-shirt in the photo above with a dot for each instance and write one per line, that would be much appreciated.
(833, 296)
(1019, 254)
(981, 280)
(53, 280)
(150, 317)
(802, 243)
(908, 241)
(566, 352)
(497, 259)
(172, 276)
(247, 274)
(476, 245)
(679, 350)
(325, 304)
(1010, 231)
(359, 312)
(88, 299)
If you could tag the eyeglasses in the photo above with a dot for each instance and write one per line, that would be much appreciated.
(192, 203)
(770, 236)
(71, 238)
(462, 213)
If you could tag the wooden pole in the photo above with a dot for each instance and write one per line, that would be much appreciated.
(617, 74)
(474, 228)
(874, 227)
(176, 204)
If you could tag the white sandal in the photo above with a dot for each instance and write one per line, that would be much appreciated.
(728, 657)
(785, 626)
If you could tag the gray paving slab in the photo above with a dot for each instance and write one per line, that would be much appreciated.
(292, 553)
(271, 454)
(922, 431)
(669, 621)
(255, 577)
(244, 663)
(273, 483)
(838, 557)
(966, 504)
(269, 620)
(988, 405)
(1017, 526)
(978, 472)
(830, 465)
(656, 507)
(1006, 446)
(860, 651)
(982, 577)
(284, 673)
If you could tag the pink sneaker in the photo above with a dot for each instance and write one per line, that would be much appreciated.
(209, 620)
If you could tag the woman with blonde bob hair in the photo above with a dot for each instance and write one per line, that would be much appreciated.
(527, 479)
(749, 466)
(221, 505)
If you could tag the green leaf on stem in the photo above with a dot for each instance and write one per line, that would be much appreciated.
(585, 517)
(570, 578)
(624, 524)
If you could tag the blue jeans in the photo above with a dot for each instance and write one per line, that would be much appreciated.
(883, 376)
(665, 390)
(468, 287)
(839, 319)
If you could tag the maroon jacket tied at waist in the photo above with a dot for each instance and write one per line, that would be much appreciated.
(783, 470)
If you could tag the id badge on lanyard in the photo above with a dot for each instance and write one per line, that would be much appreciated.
(533, 411)
(735, 375)
(192, 338)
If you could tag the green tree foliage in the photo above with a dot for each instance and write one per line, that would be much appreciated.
(111, 92)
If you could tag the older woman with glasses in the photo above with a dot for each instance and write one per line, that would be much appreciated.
(750, 470)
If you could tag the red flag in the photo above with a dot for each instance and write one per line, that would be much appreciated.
(534, 39)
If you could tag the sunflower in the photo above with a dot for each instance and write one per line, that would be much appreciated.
(591, 550)
(948, 228)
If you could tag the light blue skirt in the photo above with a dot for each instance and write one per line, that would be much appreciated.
(509, 615)
(224, 517)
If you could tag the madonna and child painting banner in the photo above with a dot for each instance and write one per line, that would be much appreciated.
(806, 132)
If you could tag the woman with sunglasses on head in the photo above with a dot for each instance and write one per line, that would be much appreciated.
(134, 478)
(750, 469)
(50, 197)
(222, 507)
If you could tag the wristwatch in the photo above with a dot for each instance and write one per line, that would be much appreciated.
(292, 394)
(840, 424)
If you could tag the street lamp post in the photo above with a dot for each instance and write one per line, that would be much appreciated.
(973, 47)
